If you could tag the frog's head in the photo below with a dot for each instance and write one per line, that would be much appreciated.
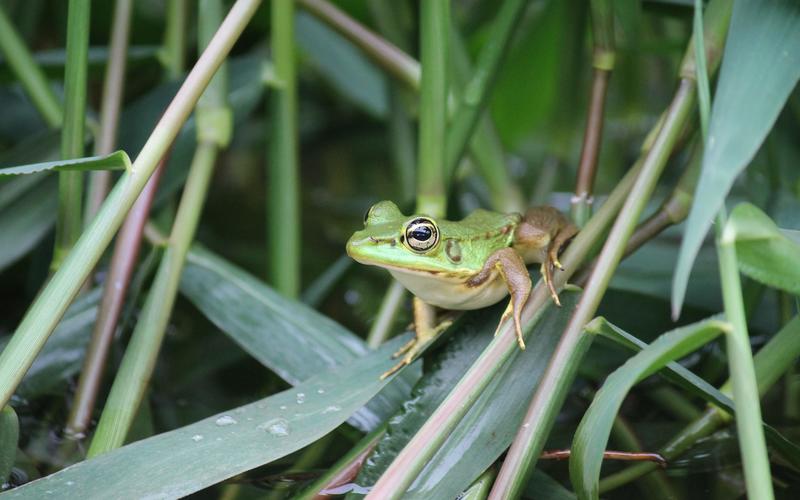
(399, 242)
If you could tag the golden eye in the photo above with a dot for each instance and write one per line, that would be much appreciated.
(421, 234)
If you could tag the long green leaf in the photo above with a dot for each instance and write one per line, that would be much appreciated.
(488, 428)
(186, 460)
(286, 336)
(760, 67)
(115, 161)
(764, 252)
(592, 434)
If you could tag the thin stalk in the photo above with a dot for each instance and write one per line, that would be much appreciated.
(174, 48)
(777, 356)
(30, 75)
(48, 308)
(388, 56)
(128, 242)
(382, 326)
(435, 26)
(752, 444)
(283, 218)
(410, 461)
(475, 94)
(9, 440)
(213, 132)
(484, 144)
(557, 377)
(69, 219)
(113, 88)
(142, 351)
(603, 63)
(674, 402)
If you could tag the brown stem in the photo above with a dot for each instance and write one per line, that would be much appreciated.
(638, 456)
(375, 47)
(587, 168)
(126, 251)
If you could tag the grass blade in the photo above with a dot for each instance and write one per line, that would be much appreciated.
(761, 66)
(115, 161)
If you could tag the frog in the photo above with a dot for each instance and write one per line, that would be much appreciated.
(462, 265)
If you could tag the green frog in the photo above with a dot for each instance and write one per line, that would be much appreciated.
(462, 265)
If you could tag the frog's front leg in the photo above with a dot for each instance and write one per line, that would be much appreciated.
(513, 271)
(426, 331)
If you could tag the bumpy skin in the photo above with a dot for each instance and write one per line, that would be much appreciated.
(474, 263)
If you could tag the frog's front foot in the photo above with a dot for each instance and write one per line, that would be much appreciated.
(411, 349)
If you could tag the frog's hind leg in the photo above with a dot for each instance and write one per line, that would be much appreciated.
(512, 268)
(426, 332)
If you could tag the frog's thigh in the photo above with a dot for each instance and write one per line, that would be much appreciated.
(531, 242)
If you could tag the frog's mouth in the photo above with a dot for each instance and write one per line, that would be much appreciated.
(383, 253)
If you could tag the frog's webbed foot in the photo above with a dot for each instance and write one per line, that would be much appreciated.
(424, 317)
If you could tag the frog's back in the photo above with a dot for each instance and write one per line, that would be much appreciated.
(481, 225)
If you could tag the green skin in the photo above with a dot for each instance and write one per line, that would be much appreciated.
(468, 264)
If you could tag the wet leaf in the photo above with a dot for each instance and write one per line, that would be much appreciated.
(188, 459)
(288, 337)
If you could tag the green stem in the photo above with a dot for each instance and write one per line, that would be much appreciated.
(477, 90)
(758, 478)
(30, 75)
(113, 88)
(435, 25)
(45, 312)
(284, 204)
(174, 48)
(9, 440)
(557, 377)
(69, 220)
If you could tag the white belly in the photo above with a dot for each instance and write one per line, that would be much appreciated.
(452, 293)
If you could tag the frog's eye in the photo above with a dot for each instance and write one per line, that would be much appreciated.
(421, 234)
(366, 215)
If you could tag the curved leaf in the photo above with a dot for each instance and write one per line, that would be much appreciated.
(186, 460)
(764, 252)
(115, 161)
(760, 67)
(288, 337)
(592, 434)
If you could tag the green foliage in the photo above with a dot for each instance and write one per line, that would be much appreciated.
(115, 161)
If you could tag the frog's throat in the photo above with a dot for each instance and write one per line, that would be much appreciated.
(451, 292)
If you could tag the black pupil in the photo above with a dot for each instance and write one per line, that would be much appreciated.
(421, 233)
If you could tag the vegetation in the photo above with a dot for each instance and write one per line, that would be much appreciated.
(216, 351)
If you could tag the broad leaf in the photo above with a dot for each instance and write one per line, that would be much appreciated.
(763, 251)
(115, 161)
(27, 217)
(760, 67)
(188, 459)
(593, 432)
(288, 337)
